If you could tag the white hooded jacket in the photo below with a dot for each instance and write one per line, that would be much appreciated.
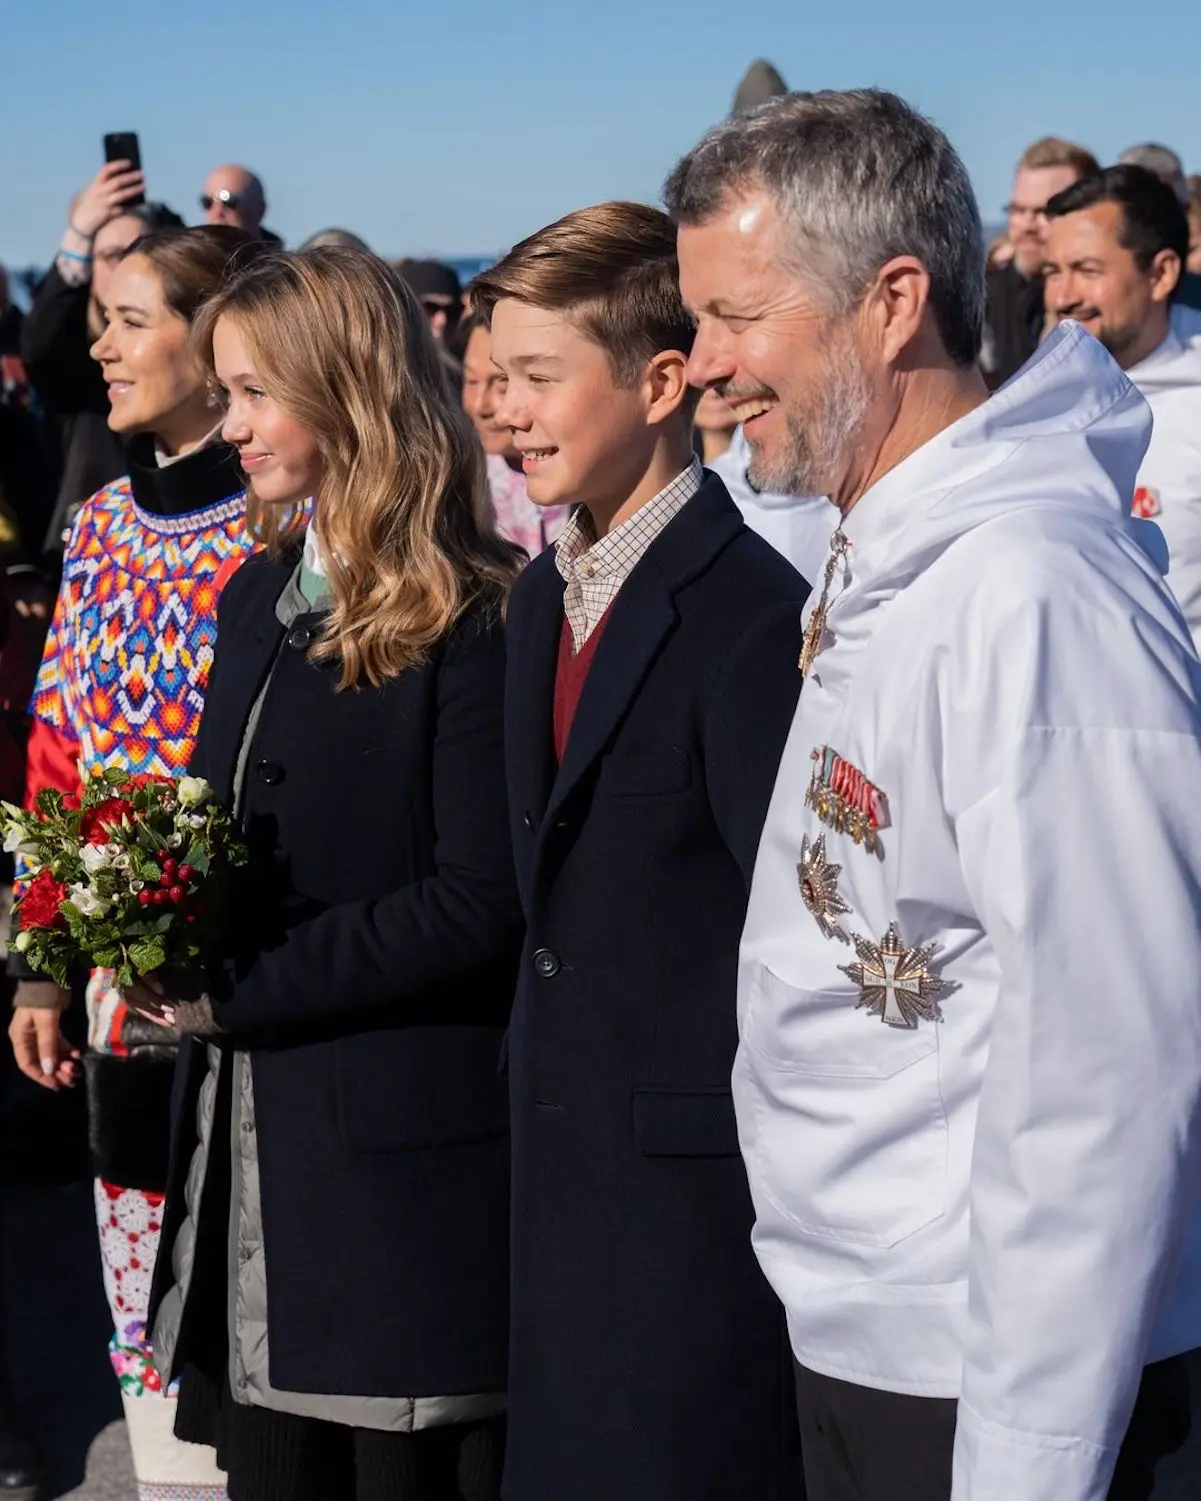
(993, 1206)
(1169, 479)
(799, 526)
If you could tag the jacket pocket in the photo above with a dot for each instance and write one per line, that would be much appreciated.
(682, 1122)
(646, 774)
(844, 1128)
(420, 1087)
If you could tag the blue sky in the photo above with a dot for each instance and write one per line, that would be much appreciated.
(454, 126)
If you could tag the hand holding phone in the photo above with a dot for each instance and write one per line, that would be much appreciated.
(122, 146)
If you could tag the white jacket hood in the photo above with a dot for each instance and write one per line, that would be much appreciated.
(1068, 431)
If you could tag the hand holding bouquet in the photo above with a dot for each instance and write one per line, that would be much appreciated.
(129, 875)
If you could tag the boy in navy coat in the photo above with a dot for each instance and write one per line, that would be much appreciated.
(652, 676)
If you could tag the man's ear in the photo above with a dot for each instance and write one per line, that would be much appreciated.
(895, 305)
(666, 384)
(1164, 273)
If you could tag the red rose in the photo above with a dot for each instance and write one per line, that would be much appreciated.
(41, 906)
(96, 822)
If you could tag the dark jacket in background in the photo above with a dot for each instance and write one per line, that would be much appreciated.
(374, 937)
(1013, 323)
(26, 476)
(649, 1356)
(70, 386)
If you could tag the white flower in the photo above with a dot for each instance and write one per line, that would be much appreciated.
(121, 862)
(136, 886)
(22, 941)
(113, 850)
(194, 790)
(15, 842)
(177, 839)
(96, 857)
(195, 821)
(87, 901)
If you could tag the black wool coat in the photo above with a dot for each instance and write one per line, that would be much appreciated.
(649, 1358)
(373, 943)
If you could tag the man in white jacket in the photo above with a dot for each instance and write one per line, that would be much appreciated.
(1117, 244)
(969, 1075)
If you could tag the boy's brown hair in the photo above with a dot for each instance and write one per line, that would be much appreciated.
(612, 270)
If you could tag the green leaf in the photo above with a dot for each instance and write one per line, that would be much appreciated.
(148, 954)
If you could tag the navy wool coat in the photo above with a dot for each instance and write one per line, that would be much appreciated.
(373, 944)
(649, 1359)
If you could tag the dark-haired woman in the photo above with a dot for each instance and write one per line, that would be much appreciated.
(104, 219)
(122, 682)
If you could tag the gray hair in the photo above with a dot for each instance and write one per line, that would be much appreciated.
(343, 238)
(1161, 160)
(859, 177)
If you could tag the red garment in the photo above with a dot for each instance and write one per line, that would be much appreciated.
(570, 676)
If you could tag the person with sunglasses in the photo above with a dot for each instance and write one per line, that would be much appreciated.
(234, 195)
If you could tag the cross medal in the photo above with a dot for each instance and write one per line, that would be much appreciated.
(895, 983)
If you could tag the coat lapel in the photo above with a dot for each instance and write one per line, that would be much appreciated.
(533, 653)
(244, 665)
(641, 618)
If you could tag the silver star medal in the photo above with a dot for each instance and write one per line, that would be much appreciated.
(896, 983)
(819, 888)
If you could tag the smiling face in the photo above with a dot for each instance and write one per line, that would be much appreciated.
(1033, 188)
(581, 436)
(483, 392)
(790, 370)
(279, 455)
(154, 383)
(1092, 277)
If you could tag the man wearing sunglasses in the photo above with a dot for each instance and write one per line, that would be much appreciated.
(234, 195)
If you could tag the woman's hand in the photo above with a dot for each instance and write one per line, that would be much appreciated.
(112, 188)
(193, 1018)
(42, 1053)
(147, 997)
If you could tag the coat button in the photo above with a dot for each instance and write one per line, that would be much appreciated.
(270, 772)
(528, 820)
(301, 637)
(546, 963)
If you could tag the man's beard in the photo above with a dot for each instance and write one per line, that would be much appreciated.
(822, 435)
(1119, 339)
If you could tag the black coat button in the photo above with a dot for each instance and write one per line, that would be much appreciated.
(546, 963)
(270, 772)
(301, 637)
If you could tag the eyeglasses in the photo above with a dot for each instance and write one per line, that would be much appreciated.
(1024, 211)
(222, 195)
(434, 304)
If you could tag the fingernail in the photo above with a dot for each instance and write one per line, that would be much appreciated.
(48, 1067)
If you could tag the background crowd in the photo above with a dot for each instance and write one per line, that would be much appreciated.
(58, 447)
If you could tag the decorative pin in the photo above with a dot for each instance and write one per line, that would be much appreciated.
(844, 799)
(895, 983)
(811, 642)
(819, 888)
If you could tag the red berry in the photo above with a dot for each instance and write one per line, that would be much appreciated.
(146, 898)
(186, 873)
(190, 919)
(170, 866)
(161, 897)
(177, 894)
(162, 856)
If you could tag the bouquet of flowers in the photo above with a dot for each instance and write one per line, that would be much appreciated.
(128, 875)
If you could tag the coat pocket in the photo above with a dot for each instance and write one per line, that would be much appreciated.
(420, 1087)
(682, 1122)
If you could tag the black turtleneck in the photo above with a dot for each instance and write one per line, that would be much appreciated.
(196, 482)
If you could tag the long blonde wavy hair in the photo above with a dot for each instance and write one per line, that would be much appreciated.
(402, 508)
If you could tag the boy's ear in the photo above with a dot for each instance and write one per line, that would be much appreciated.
(666, 385)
